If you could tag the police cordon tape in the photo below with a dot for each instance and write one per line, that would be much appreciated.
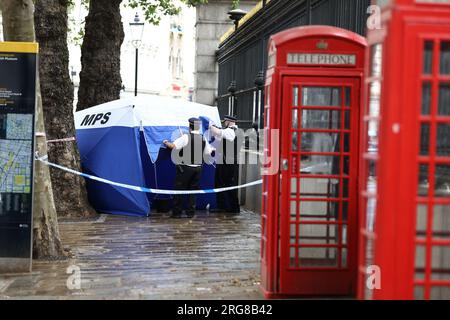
(43, 135)
(62, 140)
(44, 159)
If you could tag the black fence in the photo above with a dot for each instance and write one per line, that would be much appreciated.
(242, 56)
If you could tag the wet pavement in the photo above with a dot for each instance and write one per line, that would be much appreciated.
(208, 257)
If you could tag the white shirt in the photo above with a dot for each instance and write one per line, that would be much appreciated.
(183, 141)
(228, 134)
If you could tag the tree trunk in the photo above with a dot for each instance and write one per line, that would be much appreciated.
(57, 97)
(18, 25)
(100, 79)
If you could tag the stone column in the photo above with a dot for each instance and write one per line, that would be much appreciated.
(212, 22)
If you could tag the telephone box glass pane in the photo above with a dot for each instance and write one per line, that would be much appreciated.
(318, 257)
(420, 258)
(442, 188)
(294, 187)
(421, 221)
(419, 293)
(321, 96)
(295, 141)
(344, 211)
(319, 210)
(428, 57)
(292, 257)
(321, 119)
(294, 118)
(293, 233)
(347, 120)
(348, 96)
(441, 259)
(295, 97)
(443, 140)
(318, 234)
(441, 222)
(320, 165)
(322, 188)
(344, 257)
(445, 58)
(440, 293)
(323, 142)
(344, 234)
(444, 99)
(426, 98)
(425, 139)
(320, 142)
(293, 209)
(346, 143)
(424, 181)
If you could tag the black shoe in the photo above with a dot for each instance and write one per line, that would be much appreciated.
(190, 215)
(234, 212)
(217, 210)
(175, 216)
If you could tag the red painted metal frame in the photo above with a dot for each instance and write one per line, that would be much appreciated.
(406, 25)
(302, 39)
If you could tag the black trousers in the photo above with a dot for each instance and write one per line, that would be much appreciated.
(227, 176)
(187, 178)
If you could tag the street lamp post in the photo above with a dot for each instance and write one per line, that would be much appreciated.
(137, 30)
(236, 15)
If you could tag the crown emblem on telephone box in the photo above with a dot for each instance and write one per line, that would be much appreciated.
(322, 45)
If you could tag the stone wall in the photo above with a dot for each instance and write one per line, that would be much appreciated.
(212, 22)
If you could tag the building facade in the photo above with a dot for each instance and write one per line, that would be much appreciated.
(212, 21)
(166, 54)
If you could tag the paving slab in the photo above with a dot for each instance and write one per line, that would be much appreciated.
(116, 257)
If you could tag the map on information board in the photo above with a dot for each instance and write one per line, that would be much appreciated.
(15, 172)
(19, 126)
(15, 153)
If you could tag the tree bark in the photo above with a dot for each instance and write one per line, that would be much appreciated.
(100, 79)
(51, 23)
(18, 25)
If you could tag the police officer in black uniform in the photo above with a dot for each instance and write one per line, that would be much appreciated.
(188, 159)
(227, 170)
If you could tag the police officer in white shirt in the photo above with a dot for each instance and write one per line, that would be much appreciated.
(227, 170)
(188, 159)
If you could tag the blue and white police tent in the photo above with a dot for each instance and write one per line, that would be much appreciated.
(122, 141)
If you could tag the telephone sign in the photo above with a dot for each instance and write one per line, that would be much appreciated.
(320, 58)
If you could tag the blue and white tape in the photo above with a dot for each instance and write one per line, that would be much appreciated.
(44, 160)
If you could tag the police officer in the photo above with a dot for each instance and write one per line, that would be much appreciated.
(227, 170)
(188, 160)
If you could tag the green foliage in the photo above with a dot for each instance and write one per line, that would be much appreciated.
(75, 33)
(71, 3)
(154, 10)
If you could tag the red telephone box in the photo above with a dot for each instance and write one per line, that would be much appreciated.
(405, 180)
(309, 210)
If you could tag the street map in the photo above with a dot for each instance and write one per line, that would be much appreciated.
(15, 154)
